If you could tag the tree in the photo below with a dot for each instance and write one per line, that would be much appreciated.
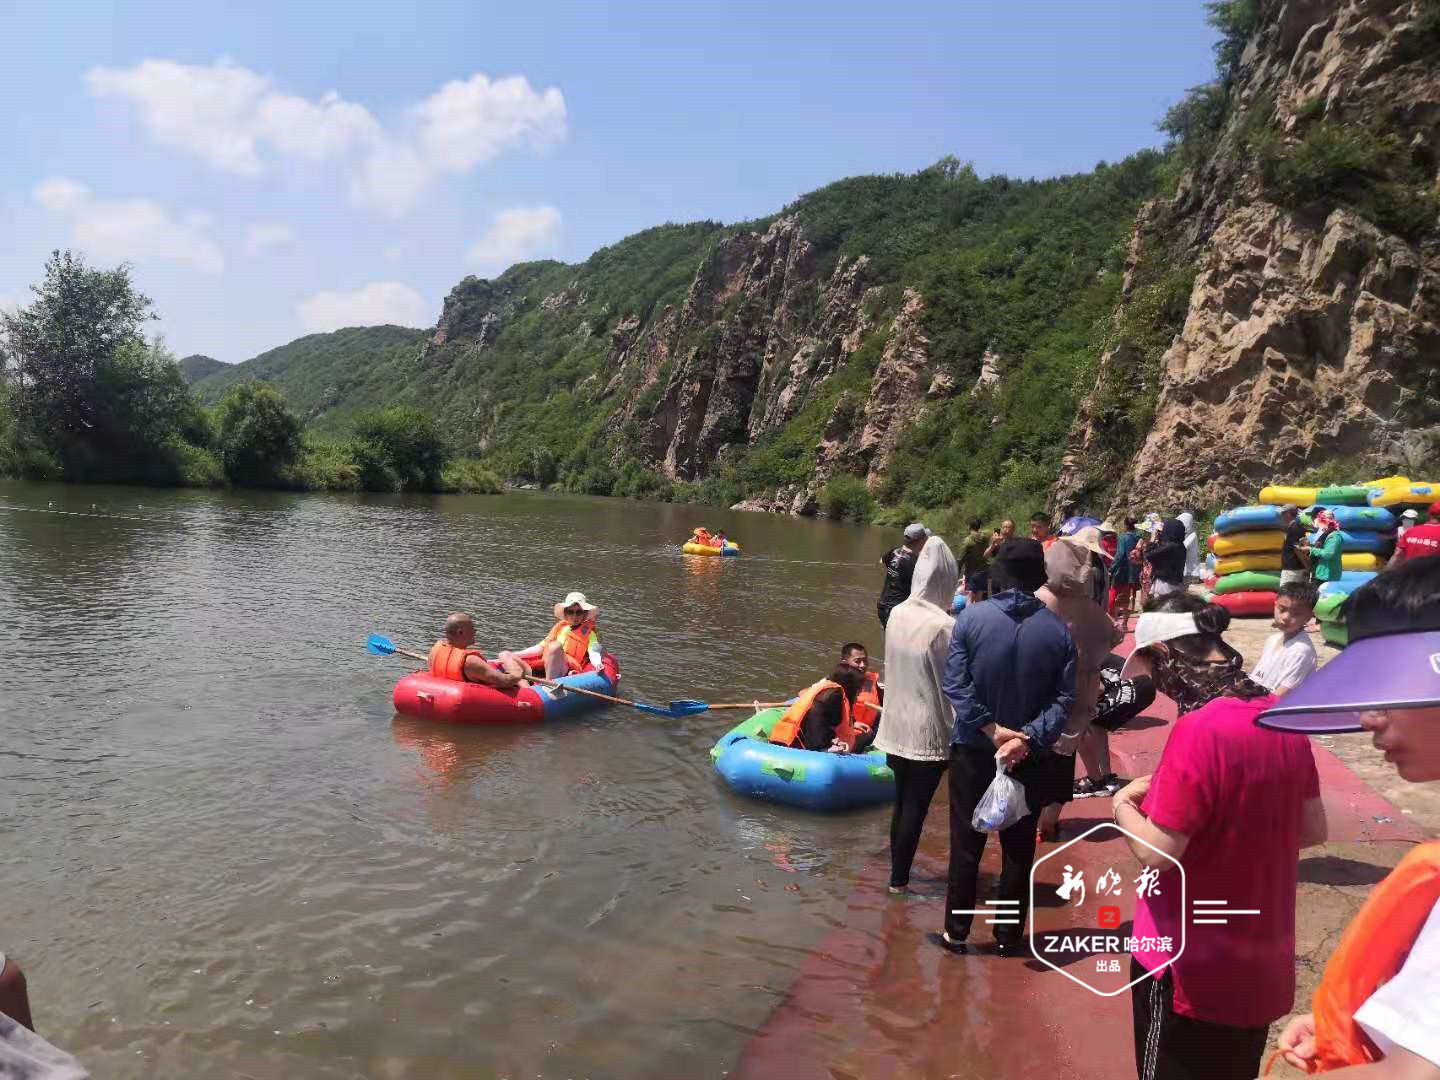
(259, 438)
(63, 347)
(399, 449)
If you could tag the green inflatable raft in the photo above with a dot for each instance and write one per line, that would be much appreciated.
(1248, 581)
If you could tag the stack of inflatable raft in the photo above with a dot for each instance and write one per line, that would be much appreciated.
(1247, 540)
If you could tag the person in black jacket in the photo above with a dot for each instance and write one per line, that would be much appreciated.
(899, 566)
(1167, 560)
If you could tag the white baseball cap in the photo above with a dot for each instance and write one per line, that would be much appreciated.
(916, 531)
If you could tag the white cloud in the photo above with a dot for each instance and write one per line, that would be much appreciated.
(264, 237)
(376, 304)
(59, 193)
(236, 120)
(517, 234)
(130, 228)
(8, 304)
(393, 253)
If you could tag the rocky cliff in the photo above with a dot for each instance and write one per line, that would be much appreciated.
(1310, 343)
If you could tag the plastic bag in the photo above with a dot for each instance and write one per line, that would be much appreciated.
(1002, 805)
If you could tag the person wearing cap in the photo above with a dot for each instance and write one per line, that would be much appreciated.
(1094, 543)
(1420, 541)
(1328, 551)
(1294, 555)
(573, 643)
(1408, 520)
(1376, 1012)
(1233, 804)
(1010, 677)
(899, 566)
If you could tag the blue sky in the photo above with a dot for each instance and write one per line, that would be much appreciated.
(276, 168)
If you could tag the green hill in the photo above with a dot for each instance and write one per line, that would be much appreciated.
(329, 378)
(195, 367)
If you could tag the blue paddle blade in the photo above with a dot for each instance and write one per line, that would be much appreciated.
(656, 710)
(688, 707)
(380, 646)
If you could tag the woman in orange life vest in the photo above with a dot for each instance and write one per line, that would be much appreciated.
(1377, 1008)
(702, 536)
(837, 714)
(455, 657)
(573, 643)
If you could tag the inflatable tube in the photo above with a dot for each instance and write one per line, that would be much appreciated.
(805, 778)
(1250, 517)
(705, 549)
(1248, 604)
(1248, 581)
(1376, 543)
(1255, 560)
(1347, 495)
(1358, 518)
(1387, 481)
(1328, 607)
(427, 697)
(1362, 561)
(1403, 495)
(1240, 543)
(1335, 633)
(1350, 580)
(1280, 495)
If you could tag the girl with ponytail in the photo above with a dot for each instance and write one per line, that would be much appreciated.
(1233, 804)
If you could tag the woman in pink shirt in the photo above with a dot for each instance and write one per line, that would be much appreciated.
(1233, 803)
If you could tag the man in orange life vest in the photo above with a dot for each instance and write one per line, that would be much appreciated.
(573, 643)
(1376, 1012)
(838, 714)
(455, 657)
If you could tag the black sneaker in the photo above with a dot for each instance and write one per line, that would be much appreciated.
(1109, 785)
(1085, 788)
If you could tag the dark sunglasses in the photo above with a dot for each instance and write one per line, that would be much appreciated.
(574, 611)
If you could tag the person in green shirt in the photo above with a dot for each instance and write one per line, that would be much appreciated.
(1326, 553)
(974, 561)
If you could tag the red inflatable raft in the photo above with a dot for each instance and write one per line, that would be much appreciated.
(1247, 603)
(428, 697)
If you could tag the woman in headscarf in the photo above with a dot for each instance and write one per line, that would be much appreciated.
(1233, 803)
(1167, 560)
(1326, 554)
(916, 729)
(1192, 547)
(1067, 592)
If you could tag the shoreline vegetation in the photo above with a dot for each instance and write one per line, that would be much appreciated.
(86, 398)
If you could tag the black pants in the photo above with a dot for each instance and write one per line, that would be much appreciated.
(970, 774)
(915, 784)
(1173, 1047)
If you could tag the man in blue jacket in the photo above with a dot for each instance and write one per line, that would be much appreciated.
(1010, 675)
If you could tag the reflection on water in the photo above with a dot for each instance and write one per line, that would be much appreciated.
(224, 853)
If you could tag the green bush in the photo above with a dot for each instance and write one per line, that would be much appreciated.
(846, 498)
(468, 477)
(637, 481)
(399, 449)
(258, 437)
(196, 466)
(324, 466)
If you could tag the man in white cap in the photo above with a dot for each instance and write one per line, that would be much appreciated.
(1408, 520)
(899, 566)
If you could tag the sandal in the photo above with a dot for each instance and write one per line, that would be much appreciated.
(1085, 788)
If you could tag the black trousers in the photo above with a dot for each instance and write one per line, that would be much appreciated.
(915, 784)
(1173, 1047)
(970, 774)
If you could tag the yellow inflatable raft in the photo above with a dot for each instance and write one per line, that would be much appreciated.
(704, 549)
(1278, 495)
(1242, 543)
(1264, 560)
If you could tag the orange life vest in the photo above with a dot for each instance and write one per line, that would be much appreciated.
(786, 731)
(1371, 952)
(576, 643)
(448, 661)
(865, 702)
(703, 538)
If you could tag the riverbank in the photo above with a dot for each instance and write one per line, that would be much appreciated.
(876, 999)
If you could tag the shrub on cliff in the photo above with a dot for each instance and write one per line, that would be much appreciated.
(846, 498)
(399, 449)
(468, 477)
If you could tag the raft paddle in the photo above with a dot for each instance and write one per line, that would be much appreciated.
(383, 646)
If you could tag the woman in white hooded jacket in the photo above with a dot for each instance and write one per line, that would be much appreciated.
(918, 721)
(1192, 547)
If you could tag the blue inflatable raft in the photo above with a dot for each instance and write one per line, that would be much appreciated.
(1359, 518)
(1350, 580)
(1245, 518)
(1372, 542)
(808, 779)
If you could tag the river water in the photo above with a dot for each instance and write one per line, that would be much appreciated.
(223, 855)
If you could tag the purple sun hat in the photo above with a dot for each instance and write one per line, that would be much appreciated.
(1392, 662)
